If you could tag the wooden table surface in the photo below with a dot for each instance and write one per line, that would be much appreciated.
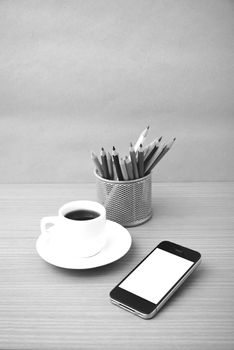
(44, 307)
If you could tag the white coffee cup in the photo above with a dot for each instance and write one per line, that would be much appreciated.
(82, 238)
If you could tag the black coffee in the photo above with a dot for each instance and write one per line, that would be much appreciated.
(82, 214)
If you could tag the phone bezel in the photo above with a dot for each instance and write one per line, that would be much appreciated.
(141, 306)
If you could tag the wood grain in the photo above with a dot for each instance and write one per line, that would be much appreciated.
(45, 307)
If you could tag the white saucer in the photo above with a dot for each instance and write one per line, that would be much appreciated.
(117, 245)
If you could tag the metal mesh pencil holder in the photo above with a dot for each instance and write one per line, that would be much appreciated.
(127, 202)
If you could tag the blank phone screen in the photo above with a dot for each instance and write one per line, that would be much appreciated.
(156, 275)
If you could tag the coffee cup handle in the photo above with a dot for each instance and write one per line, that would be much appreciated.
(48, 220)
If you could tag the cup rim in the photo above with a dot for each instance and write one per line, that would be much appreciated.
(82, 203)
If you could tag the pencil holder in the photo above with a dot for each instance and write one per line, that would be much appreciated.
(127, 202)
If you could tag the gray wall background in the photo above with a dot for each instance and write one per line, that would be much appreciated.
(78, 75)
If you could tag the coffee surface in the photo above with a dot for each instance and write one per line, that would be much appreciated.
(82, 214)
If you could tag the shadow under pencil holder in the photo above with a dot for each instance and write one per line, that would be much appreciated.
(127, 202)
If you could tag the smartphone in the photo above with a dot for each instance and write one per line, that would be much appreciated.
(153, 281)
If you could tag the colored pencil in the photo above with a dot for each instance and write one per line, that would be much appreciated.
(123, 169)
(104, 164)
(117, 165)
(154, 157)
(110, 166)
(152, 152)
(128, 164)
(140, 161)
(149, 147)
(97, 164)
(141, 139)
(134, 162)
(160, 156)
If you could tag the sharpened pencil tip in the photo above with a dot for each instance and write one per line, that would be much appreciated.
(174, 139)
(148, 127)
(113, 148)
(160, 138)
(130, 144)
(102, 149)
